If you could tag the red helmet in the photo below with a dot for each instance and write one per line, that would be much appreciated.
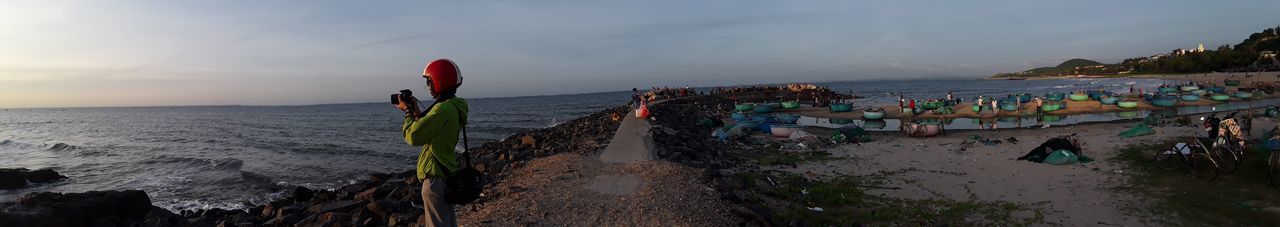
(443, 74)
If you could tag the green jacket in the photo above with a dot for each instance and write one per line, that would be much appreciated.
(438, 131)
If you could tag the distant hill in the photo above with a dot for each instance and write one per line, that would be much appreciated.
(1067, 67)
(1077, 62)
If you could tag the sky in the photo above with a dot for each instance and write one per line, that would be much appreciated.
(152, 53)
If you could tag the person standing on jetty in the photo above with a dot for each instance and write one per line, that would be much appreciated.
(437, 132)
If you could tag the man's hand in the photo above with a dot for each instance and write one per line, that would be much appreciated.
(402, 107)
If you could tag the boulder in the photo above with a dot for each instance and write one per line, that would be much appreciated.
(18, 178)
(124, 208)
(302, 194)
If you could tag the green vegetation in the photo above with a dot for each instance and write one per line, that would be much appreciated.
(1176, 197)
(844, 202)
(1224, 58)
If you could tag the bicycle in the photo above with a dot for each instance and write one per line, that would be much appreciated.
(1194, 154)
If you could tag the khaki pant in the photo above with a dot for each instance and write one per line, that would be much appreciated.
(438, 211)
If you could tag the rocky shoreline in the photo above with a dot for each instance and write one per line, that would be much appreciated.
(393, 199)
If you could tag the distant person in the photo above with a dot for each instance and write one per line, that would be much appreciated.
(437, 132)
(635, 98)
(980, 103)
(950, 97)
(995, 106)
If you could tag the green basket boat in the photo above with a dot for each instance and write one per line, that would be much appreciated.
(1079, 97)
(841, 108)
(929, 105)
(1243, 95)
(1127, 104)
(1190, 88)
(1166, 90)
(790, 105)
(873, 114)
(1164, 102)
(1050, 107)
(1010, 106)
(1198, 92)
(1109, 100)
(1219, 97)
(1190, 98)
(976, 108)
(744, 107)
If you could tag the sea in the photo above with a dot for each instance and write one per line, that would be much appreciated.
(229, 157)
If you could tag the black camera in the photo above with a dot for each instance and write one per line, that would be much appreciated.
(406, 93)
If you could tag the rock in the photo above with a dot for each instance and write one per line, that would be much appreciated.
(378, 178)
(338, 205)
(44, 175)
(18, 178)
(12, 178)
(302, 194)
(160, 217)
(125, 208)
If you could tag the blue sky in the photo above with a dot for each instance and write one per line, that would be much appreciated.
(127, 53)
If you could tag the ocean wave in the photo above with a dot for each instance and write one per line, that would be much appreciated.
(61, 147)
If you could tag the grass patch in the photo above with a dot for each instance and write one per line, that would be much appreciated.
(1176, 197)
(845, 203)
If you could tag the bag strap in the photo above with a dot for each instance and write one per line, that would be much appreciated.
(466, 154)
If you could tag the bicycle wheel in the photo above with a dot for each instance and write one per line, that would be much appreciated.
(1204, 167)
(1169, 160)
(1227, 158)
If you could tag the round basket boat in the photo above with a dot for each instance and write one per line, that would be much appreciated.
(1164, 102)
(738, 116)
(744, 107)
(764, 109)
(1243, 95)
(1079, 97)
(1050, 107)
(1218, 89)
(1198, 92)
(929, 105)
(784, 130)
(1127, 104)
(1190, 88)
(1166, 90)
(1219, 97)
(873, 114)
(841, 107)
(1109, 100)
(790, 105)
(1190, 98)
(1010, 106)
(764, 118)
(1054, 96)
(774, 105)
(976, 108)
(788, 118)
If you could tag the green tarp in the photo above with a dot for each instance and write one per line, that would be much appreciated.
(1063, 157)
(1139, 130)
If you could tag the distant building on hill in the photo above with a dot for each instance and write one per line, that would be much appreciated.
(1181, 51)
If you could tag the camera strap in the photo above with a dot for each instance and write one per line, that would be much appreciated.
(462, 122)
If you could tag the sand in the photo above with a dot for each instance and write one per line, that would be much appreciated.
(1073, 195)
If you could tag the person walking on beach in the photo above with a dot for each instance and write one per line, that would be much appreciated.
(635, 98)
(437, 132)
(981, 101)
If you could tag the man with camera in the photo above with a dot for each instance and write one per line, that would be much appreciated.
(436, 129)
